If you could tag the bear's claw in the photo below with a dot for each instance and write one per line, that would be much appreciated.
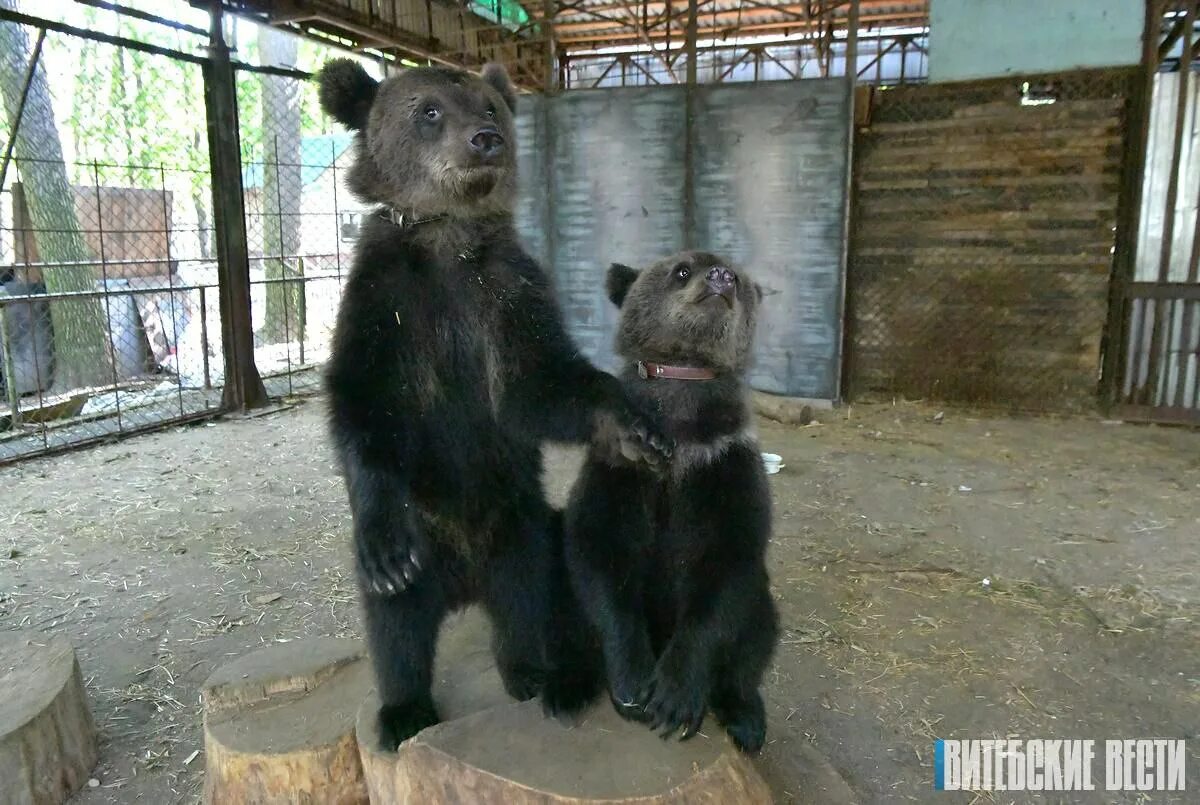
(384, 570)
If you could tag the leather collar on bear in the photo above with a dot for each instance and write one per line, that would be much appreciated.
(657, 371)
(406, 220)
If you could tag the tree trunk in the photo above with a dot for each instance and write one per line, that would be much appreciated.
(201, 199)
(282, 186)
(81, 352)
(47, 736)
(490, 749)
(279, 725)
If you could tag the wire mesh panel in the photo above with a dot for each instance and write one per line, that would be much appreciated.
(982, 239)
(301, 219)
(106, 245)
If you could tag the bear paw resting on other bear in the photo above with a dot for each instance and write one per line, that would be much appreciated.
(450, 366)
(670, 567)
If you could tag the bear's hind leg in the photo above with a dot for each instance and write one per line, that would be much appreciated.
(516, 595)
(576, 663)
(736, 701)
(743, 715)
(540, 639)
(402, 634)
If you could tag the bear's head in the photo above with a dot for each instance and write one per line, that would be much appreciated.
(692, 308)
(430, 140)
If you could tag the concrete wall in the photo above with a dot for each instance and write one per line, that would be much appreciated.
(971, 39)
(770, 179)
(768, 168)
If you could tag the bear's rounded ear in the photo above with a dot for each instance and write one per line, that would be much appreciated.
(620, 279)
(495, 75)
(347, 92)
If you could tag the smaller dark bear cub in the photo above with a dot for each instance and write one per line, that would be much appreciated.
(670, 567)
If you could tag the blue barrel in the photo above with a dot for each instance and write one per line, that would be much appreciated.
(29, 336)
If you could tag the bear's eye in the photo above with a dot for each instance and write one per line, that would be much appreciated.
(491, 112)
(432, 112)
(682, 271)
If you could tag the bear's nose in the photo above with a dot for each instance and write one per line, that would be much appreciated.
(721, 281)
(488, 142)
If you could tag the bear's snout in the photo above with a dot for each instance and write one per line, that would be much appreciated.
(488, 142)
(722, 281)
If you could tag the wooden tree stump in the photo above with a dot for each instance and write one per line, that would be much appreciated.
(489, 749)
(279, 725)
(47, 737)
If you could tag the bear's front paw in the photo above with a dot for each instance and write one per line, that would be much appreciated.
(388, 567)
(641, 441)
(675, 700)
(628, 433)
(626, 689)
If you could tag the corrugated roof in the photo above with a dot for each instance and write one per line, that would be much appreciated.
(600, 23)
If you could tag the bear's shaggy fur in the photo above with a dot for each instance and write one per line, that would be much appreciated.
(450, 366)
(670, 568)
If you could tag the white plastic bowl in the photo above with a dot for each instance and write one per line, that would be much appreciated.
(773, 463)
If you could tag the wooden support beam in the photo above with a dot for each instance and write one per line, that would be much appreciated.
(1171, 39)
(689, 133)
(243, 385)
(551, 59)
(848, 180)
(644, 36)
(878, 58)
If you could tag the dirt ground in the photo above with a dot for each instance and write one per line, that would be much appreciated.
(974, 577)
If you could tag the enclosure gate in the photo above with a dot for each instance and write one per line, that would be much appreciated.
(1159, 377)
(156, 271)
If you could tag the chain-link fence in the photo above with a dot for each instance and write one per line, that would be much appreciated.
(982, 239)
(110, 316)
(108, 300)
(301, 219)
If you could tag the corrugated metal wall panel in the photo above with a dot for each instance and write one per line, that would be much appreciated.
(617, 196)
(1159, 152)
(769, 186)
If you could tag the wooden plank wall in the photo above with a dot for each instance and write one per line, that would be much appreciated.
(981, 241)
(134, 224)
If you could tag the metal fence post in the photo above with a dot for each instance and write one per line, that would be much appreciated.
(689, 132)
(851, 78)
(1115, 341)
(243, 385)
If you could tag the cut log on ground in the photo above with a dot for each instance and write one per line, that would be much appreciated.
(489, 749)
(788, 410)
(279, 725)
(47, 737)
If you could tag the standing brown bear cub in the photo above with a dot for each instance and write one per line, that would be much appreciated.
(450, 366)
(670, 567)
